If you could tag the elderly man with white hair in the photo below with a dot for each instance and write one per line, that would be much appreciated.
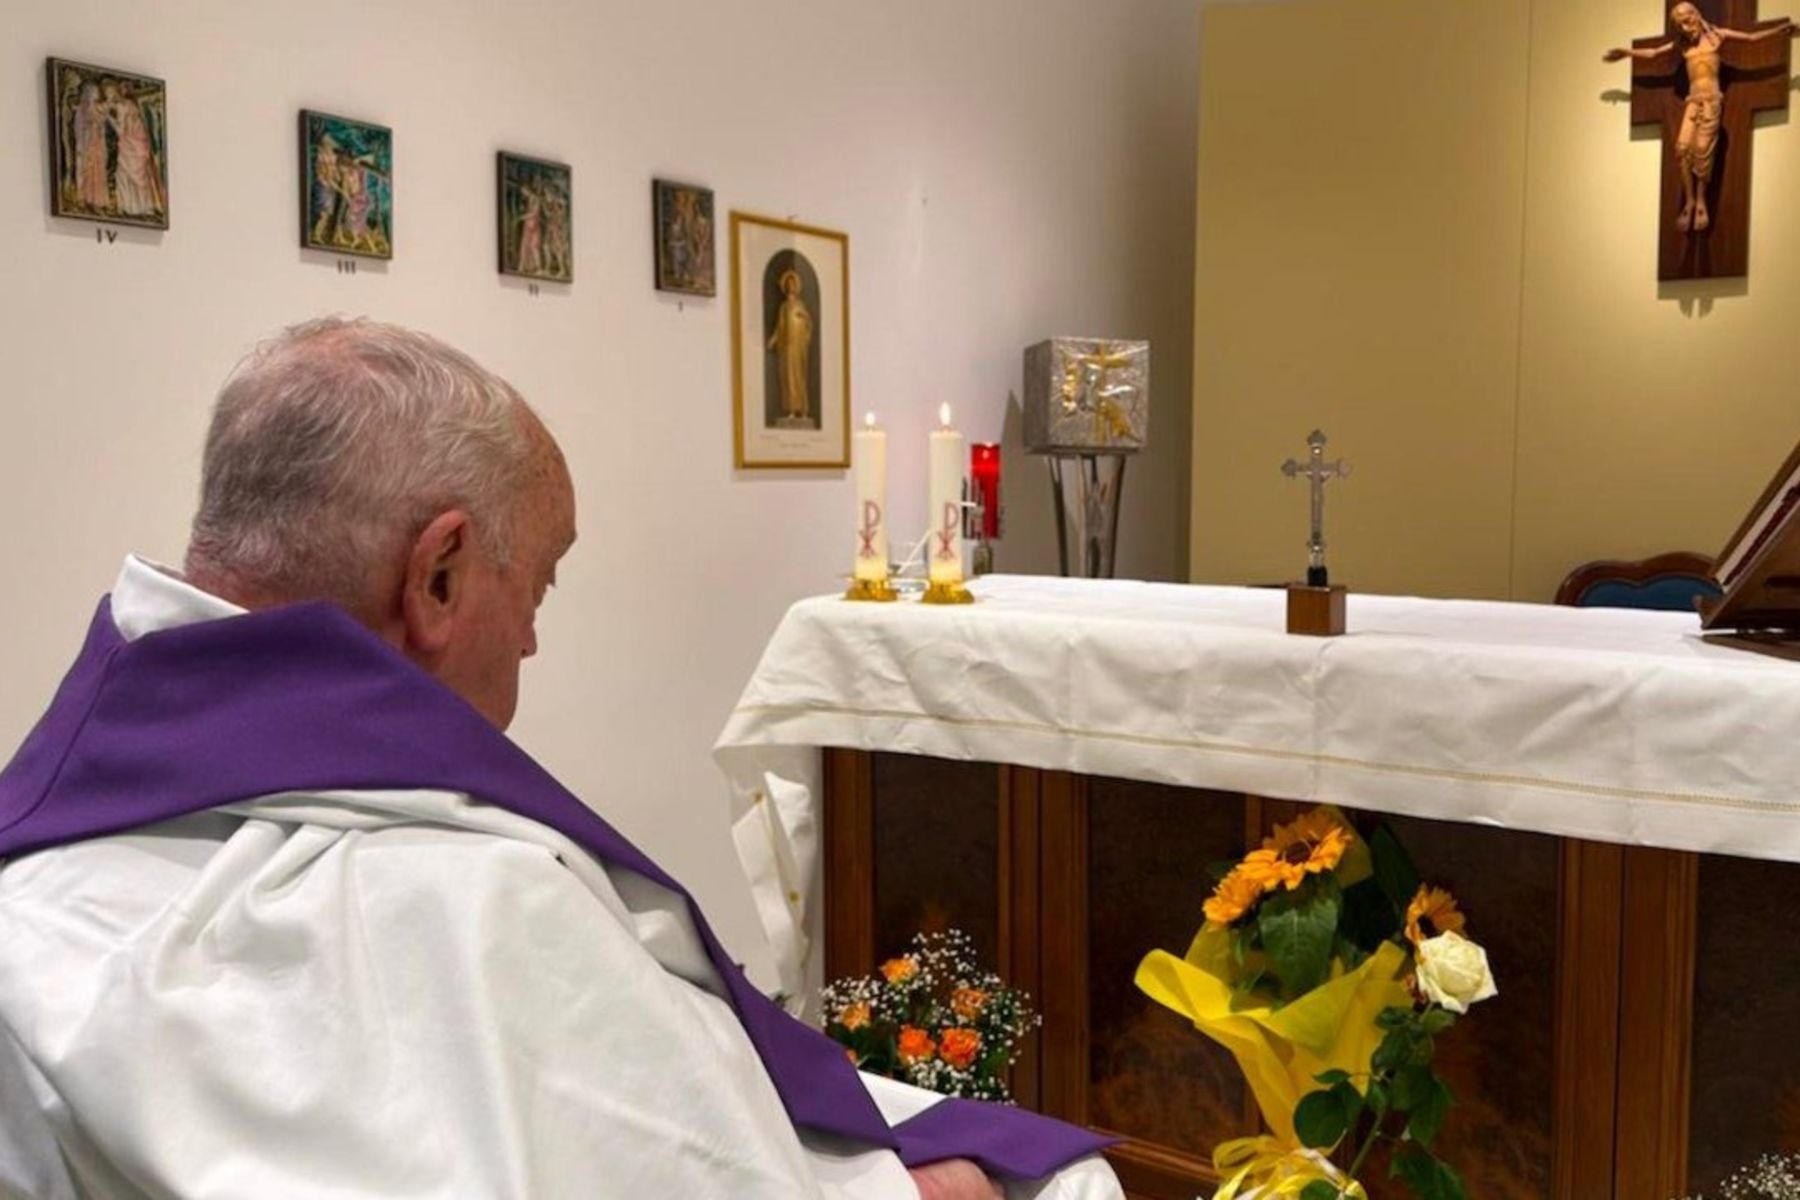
(284, 913)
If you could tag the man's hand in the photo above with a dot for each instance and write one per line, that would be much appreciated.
(954, 1179)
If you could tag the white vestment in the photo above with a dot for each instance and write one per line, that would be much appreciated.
(407, 995)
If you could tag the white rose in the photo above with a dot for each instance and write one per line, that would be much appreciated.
(1453, 972)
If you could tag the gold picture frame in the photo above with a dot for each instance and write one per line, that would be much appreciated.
(790, 297)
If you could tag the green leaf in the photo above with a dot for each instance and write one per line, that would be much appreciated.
(1297, 929)
(1376, 1097)
(1393, 1018)
(1412, 1085)
(1428, 1115)
(1350, 1098)
(1394, 1052)
(1394, 869)
(1318, 1189)
(1332, 1076)
(1427, 1176)
(1320, 1120)
(1437, 1020)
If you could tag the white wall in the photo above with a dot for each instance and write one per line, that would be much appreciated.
(1006, 169)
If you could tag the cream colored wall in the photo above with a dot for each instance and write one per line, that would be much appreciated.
(1005, 171)
(1649, 417)
(1428, 228)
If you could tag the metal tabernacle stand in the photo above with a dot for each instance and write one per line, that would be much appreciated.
(1086, 488)
(1087, 409)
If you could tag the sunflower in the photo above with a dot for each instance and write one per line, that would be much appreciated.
(1314, 842)
(1432, 911)
(1236, 895)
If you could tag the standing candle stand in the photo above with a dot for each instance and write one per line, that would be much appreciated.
(1087, 408)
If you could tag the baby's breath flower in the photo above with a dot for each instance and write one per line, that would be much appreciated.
(937, 987)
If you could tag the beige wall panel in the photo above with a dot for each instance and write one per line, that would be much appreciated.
(1360, 195)
(1649, 416)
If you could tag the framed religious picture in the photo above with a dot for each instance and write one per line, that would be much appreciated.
(790, 343)
(536, 218)
(684, 238)
(109, 145)
(346, 186)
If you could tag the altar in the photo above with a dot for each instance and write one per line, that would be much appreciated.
(1054, 768)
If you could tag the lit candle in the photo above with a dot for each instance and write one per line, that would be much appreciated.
(947, 459)
(871, 502)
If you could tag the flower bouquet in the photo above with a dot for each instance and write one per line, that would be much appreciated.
(1327, 970)
(1771, 1177)
(933, 1018)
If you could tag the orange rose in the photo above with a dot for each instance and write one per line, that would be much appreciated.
(854, 1016)
(899, 970)
(968, 1002)
(960, 1047)
(915, 1045)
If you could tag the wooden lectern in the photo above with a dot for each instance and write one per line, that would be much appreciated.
(1759, 569)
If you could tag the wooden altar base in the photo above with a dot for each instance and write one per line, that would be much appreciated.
(1587, 1078)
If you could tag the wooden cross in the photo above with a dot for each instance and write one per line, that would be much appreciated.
(1754, 76)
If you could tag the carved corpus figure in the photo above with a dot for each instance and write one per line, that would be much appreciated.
(1697, 145)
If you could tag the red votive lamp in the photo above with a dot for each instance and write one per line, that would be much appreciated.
(984, 473)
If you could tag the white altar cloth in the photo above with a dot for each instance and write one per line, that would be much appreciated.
(1607, 724)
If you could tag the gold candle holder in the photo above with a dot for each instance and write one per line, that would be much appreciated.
(946, 592)
(878, 590)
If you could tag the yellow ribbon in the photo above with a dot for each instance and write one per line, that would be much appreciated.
(1266, 1168)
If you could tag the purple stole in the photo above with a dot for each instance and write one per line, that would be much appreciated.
(303, 699)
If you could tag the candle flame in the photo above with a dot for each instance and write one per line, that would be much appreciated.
(944, 415)
(868, 420)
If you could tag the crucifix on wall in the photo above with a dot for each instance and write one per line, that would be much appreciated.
(1704, 80)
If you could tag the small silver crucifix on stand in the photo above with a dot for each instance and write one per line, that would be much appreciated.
(1316, 607)
(1317, 471)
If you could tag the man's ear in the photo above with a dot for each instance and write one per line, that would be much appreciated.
(436, 576)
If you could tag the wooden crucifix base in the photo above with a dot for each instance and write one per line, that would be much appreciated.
(1316, 611)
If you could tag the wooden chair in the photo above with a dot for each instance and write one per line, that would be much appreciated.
(1672, 582)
